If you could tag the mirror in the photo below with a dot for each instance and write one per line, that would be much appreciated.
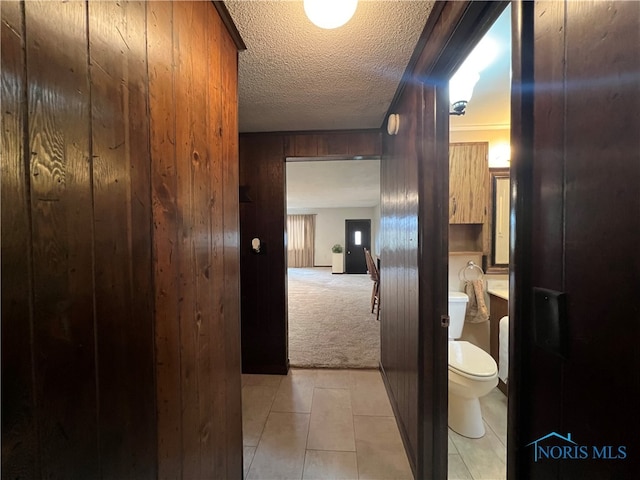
(498, 260)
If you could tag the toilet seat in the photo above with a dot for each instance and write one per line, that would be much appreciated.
(470, 361)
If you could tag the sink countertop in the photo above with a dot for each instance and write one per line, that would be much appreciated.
(499, 292)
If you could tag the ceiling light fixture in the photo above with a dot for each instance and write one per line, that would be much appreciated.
(330, 14)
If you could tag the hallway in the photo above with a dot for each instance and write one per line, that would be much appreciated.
(320, 424)
(338, 424)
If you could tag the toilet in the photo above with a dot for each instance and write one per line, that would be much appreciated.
(472, 374)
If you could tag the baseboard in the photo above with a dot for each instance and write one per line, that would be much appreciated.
(401, 427)
(503, 387)
(267, 369)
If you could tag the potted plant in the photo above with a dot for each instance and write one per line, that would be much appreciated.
(337, 264)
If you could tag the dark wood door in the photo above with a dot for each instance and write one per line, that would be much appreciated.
(357, 237)
(577, 229)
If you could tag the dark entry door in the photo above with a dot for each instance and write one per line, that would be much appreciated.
(357, 238)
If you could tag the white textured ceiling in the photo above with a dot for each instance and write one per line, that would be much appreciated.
(296, 76)
(333, 184)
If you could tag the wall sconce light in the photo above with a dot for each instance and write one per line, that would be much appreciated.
(393, 124)
(464, 80)
(461, 88)
(330, 14)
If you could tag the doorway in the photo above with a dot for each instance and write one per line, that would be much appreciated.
(479, 136)
(330, 324)
(357, 234)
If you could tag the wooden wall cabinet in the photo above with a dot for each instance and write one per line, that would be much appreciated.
(468, 182)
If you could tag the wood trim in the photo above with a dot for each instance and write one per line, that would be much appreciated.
(522, 39)
(490, 267)
(334, 144)
(228, 22)
(432, 264)
(315, 132)
(20, 445)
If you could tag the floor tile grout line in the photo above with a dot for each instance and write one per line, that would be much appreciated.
(252, 459)
(467, 466)
(355, 440)
(493, 430)
(306, 443)
(264, 425)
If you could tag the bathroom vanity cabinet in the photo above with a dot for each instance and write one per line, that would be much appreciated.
(499, 307)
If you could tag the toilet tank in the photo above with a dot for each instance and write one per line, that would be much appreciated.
(457, 309)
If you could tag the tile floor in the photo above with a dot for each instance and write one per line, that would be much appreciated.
(320, 424)
(338, 424)
(482, 458)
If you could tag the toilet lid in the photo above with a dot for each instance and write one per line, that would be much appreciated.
(470, 360)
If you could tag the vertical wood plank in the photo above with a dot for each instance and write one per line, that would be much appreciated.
(364, 143)
(122, 238)
(61, 204)
(306, 145)
(19, 434)
(166, 251)
(548, 174)
(231, 258)
(141, 341)
(336, 144)
(547, 182)
(217, 358)
(193, 233)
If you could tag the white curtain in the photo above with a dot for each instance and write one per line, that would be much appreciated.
(301, 234)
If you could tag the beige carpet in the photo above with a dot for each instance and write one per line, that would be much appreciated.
(330, 320)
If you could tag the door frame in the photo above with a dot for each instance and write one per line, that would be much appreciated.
(467, 29)
(520, 248)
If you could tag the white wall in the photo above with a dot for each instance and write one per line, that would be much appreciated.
(330, 228)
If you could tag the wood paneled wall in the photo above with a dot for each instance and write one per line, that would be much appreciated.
(262, 215)
(577, 231)
(414, 229)
(120, 261)
(399, 326)
(263, 275)
(193, 92)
